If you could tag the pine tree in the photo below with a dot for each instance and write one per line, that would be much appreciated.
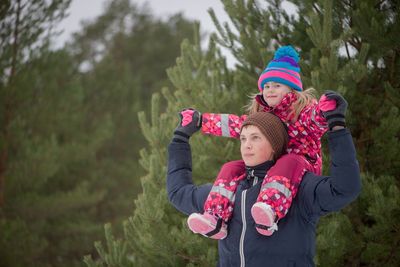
(118, 81)
(49, 208)
(153, 214)
(24, 25)
(31, 147)
(346, 46)
(71, 158)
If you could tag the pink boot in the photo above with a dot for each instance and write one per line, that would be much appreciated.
(264, 216)
(207, 225)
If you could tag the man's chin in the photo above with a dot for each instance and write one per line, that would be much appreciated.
(250, 163)
(247, 162)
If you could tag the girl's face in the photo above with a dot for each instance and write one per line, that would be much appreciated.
(273, 93)
(254, 146)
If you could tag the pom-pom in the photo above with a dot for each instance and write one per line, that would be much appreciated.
(287, 51)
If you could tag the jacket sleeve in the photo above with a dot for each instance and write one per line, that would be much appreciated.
(312, 119)
(227, 125)
(182, 193)
(320, 195)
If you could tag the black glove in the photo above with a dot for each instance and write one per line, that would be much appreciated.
(190, 122)
(336, 117)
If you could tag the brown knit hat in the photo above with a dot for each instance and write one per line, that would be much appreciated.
(272, 128)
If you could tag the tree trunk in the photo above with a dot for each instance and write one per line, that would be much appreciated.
(9, 105)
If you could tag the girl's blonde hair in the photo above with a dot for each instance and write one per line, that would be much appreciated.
(304, 98)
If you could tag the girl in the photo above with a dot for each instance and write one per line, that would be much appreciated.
(281, 92)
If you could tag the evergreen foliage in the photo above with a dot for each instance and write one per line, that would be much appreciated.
(49, 193)
(153, 215)
(347, 46)
(69, 133)
(124, 54)
(69, 130)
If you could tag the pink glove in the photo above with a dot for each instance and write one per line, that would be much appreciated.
(326, 104)
(189, 123)
(187, 116)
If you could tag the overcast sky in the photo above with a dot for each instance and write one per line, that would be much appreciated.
(192, 9)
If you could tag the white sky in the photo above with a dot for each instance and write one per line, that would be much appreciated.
(192, 9)
(80, 10)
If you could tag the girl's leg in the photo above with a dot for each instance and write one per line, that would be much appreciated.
(277, 192)
(221, 199)
(218, 207)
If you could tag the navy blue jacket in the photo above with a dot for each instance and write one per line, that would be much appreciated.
(294, 242)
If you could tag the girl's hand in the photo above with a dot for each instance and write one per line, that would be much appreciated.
(335, 117)
(326, 104)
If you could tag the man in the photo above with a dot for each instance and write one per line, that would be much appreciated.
(294, 243)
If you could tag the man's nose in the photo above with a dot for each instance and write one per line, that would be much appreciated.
(248, 144)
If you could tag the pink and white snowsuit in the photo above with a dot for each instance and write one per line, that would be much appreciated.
(281, 183)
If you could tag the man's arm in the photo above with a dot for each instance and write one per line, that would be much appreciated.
(320, 195)
(182, 193)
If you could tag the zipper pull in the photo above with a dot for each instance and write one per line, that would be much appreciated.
(255, 181)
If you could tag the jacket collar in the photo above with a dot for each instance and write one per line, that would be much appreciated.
(260, 170)
(283, 109)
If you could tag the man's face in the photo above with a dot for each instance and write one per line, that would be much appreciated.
(254, 146)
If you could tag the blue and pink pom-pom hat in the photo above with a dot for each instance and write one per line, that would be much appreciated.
(283, 68)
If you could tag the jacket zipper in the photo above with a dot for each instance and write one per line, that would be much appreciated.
(243, 211)
(241, 245)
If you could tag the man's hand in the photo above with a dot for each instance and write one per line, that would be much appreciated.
(190, 122)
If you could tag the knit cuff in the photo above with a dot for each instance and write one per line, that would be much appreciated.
(180, 137)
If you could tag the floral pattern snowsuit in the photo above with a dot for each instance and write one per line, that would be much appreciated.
(281, 183)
